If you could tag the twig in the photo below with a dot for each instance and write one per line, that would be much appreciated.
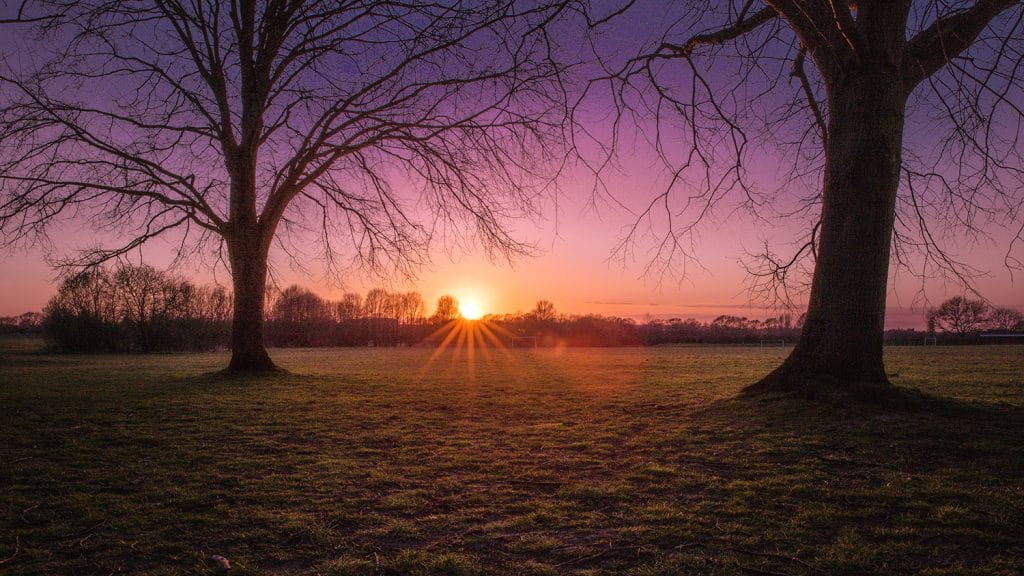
(597, 555)
(803, 563)
(775, 556)
(17, 548)
(134, 547)
(582, 558)
(26, 511)
(761, 572)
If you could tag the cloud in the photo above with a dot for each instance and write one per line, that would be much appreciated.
(676, 305)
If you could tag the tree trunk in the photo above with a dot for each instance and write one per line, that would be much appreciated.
(840, 347)
(248, 256)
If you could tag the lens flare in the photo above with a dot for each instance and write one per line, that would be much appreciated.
(465, 337)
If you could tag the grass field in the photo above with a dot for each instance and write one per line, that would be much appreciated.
(531, 462)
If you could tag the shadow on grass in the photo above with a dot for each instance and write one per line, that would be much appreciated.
(372, 474)
(942, 450)
(858, 488)
(226, 376)
(915, 427)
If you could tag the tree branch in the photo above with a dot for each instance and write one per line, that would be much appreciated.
(742, 26)
(812, 101)
(947, 38)
(827, 30)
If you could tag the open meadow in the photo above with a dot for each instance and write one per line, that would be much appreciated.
(635, 461)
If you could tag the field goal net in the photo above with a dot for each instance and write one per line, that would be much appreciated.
(765, 343)
(524, 341)
(931, 341)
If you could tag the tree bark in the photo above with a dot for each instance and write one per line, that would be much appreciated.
(840, 346)
(248, 256)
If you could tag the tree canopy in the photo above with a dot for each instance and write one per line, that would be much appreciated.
(829, 89)
(372, 130)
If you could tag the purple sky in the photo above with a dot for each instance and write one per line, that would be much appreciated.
(575, 271)
(576, 268)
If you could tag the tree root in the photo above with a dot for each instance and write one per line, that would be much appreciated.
(231, 373)
(829, 387)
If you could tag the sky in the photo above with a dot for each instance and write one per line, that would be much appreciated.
(576, 270)
(576, 267)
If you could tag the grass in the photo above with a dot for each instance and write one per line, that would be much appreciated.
(536, 462)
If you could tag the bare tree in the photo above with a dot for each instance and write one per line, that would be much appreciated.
(350, 307)
(372, 126)
(298, 305)
(88, 294)
(376, 304)
(832, 84)
(544, 311)
(216, 304)
(960, 315)
(447, 309)
(1005, 319)
(393, 306)
(144, 296)
(413, 308)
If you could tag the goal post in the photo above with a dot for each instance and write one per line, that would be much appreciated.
(524, 341)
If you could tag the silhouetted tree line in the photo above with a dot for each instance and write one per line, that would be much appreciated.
(550, 328)
(130, 308)
(962, 320)
(725, 329)
(957, 321)
(27, 324)
(298, 317)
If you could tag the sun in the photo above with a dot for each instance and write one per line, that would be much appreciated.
(471, 309)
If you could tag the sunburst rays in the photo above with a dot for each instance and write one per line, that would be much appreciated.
(463, 336)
